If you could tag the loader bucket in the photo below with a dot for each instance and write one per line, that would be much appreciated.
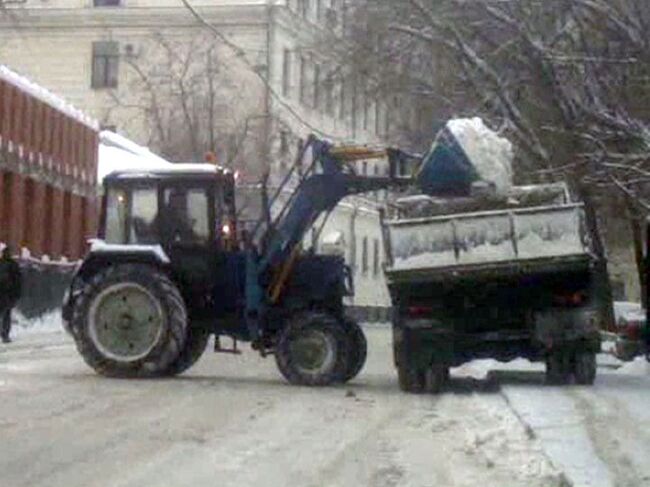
(446, 170)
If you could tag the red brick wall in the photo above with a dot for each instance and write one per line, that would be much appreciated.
(45, 157)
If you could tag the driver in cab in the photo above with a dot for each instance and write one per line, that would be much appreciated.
(175, 224)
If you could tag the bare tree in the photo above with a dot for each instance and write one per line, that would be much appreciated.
(567, 80)
(190, 99)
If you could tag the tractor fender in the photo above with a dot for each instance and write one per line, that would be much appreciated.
(102, 255)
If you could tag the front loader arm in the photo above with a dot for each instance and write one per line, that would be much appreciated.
(329, 179)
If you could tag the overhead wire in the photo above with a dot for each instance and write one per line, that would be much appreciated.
(240, 53)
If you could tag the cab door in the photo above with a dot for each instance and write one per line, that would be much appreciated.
(188, 232)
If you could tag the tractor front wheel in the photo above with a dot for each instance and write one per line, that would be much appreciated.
(130, 321)
(358, 350)
(312, 350)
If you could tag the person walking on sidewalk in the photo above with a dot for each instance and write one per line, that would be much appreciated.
(10, 289)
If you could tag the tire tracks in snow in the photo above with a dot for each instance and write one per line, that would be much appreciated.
(605, 428)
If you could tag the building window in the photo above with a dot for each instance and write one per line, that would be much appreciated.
(377, 117)
(107, 3)
(364, 168)
(286, 72)
(353, 253)
(303, 79)
(284, 142)
(304, 8)
(329, 95)
(353, 108)
(342, 95)
(364, 255)
(319, 9)
(375, 258)
(316, 86)
(365, 106)
(106, 59)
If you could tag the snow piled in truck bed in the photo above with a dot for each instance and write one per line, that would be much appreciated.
(483, 238)
(46, 96)
(490, 154)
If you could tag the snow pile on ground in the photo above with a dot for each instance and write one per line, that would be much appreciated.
(491, 155)
(639, 366)
(46, 96)
(46, 323)
(117, 153)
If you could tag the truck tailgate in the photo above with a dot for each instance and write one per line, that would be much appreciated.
(478, 239)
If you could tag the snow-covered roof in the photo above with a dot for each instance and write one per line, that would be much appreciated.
(117, 153)
(46, 96)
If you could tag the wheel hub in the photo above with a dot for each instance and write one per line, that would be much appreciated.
(125, 322)
(313, 351)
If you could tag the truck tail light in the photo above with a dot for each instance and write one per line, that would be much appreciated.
(419, 311)
(572, 299)
(632, 330)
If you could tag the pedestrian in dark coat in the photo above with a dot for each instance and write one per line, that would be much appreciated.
(10, 289)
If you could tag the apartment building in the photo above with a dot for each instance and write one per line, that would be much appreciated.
(249, 88)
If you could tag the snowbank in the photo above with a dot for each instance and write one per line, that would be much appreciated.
(46, 96)
(117, 153)
(490, 154)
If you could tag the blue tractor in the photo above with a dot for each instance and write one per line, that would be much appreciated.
(169, 270)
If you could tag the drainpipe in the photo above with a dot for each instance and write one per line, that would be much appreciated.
(267, 92)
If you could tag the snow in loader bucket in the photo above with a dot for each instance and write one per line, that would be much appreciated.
(466, 151)
(487, 237)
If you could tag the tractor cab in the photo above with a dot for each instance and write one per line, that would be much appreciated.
(180, 220)
(188, 206)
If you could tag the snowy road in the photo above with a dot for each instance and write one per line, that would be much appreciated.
(233, 421)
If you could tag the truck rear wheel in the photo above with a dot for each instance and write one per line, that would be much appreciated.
(411, 379)
(558, 367)
(312, 350)
(584, 368)
(130, 321)
(436, 378)
(357, 350)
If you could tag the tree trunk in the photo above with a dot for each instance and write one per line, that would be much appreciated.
(603, 286)
(636, 224)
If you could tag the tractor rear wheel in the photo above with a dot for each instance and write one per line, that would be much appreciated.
(312, 350)
(195, 344)
(130, 321)
(358, 350)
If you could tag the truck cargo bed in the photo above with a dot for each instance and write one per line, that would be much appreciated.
(504, 241)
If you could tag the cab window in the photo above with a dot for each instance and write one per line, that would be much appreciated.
(116, 211)
(186, 215)
(131, 216)
(142, 223)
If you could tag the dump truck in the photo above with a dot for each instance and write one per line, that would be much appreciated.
(497, 277)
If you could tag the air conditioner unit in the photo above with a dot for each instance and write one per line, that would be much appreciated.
(131, 50)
